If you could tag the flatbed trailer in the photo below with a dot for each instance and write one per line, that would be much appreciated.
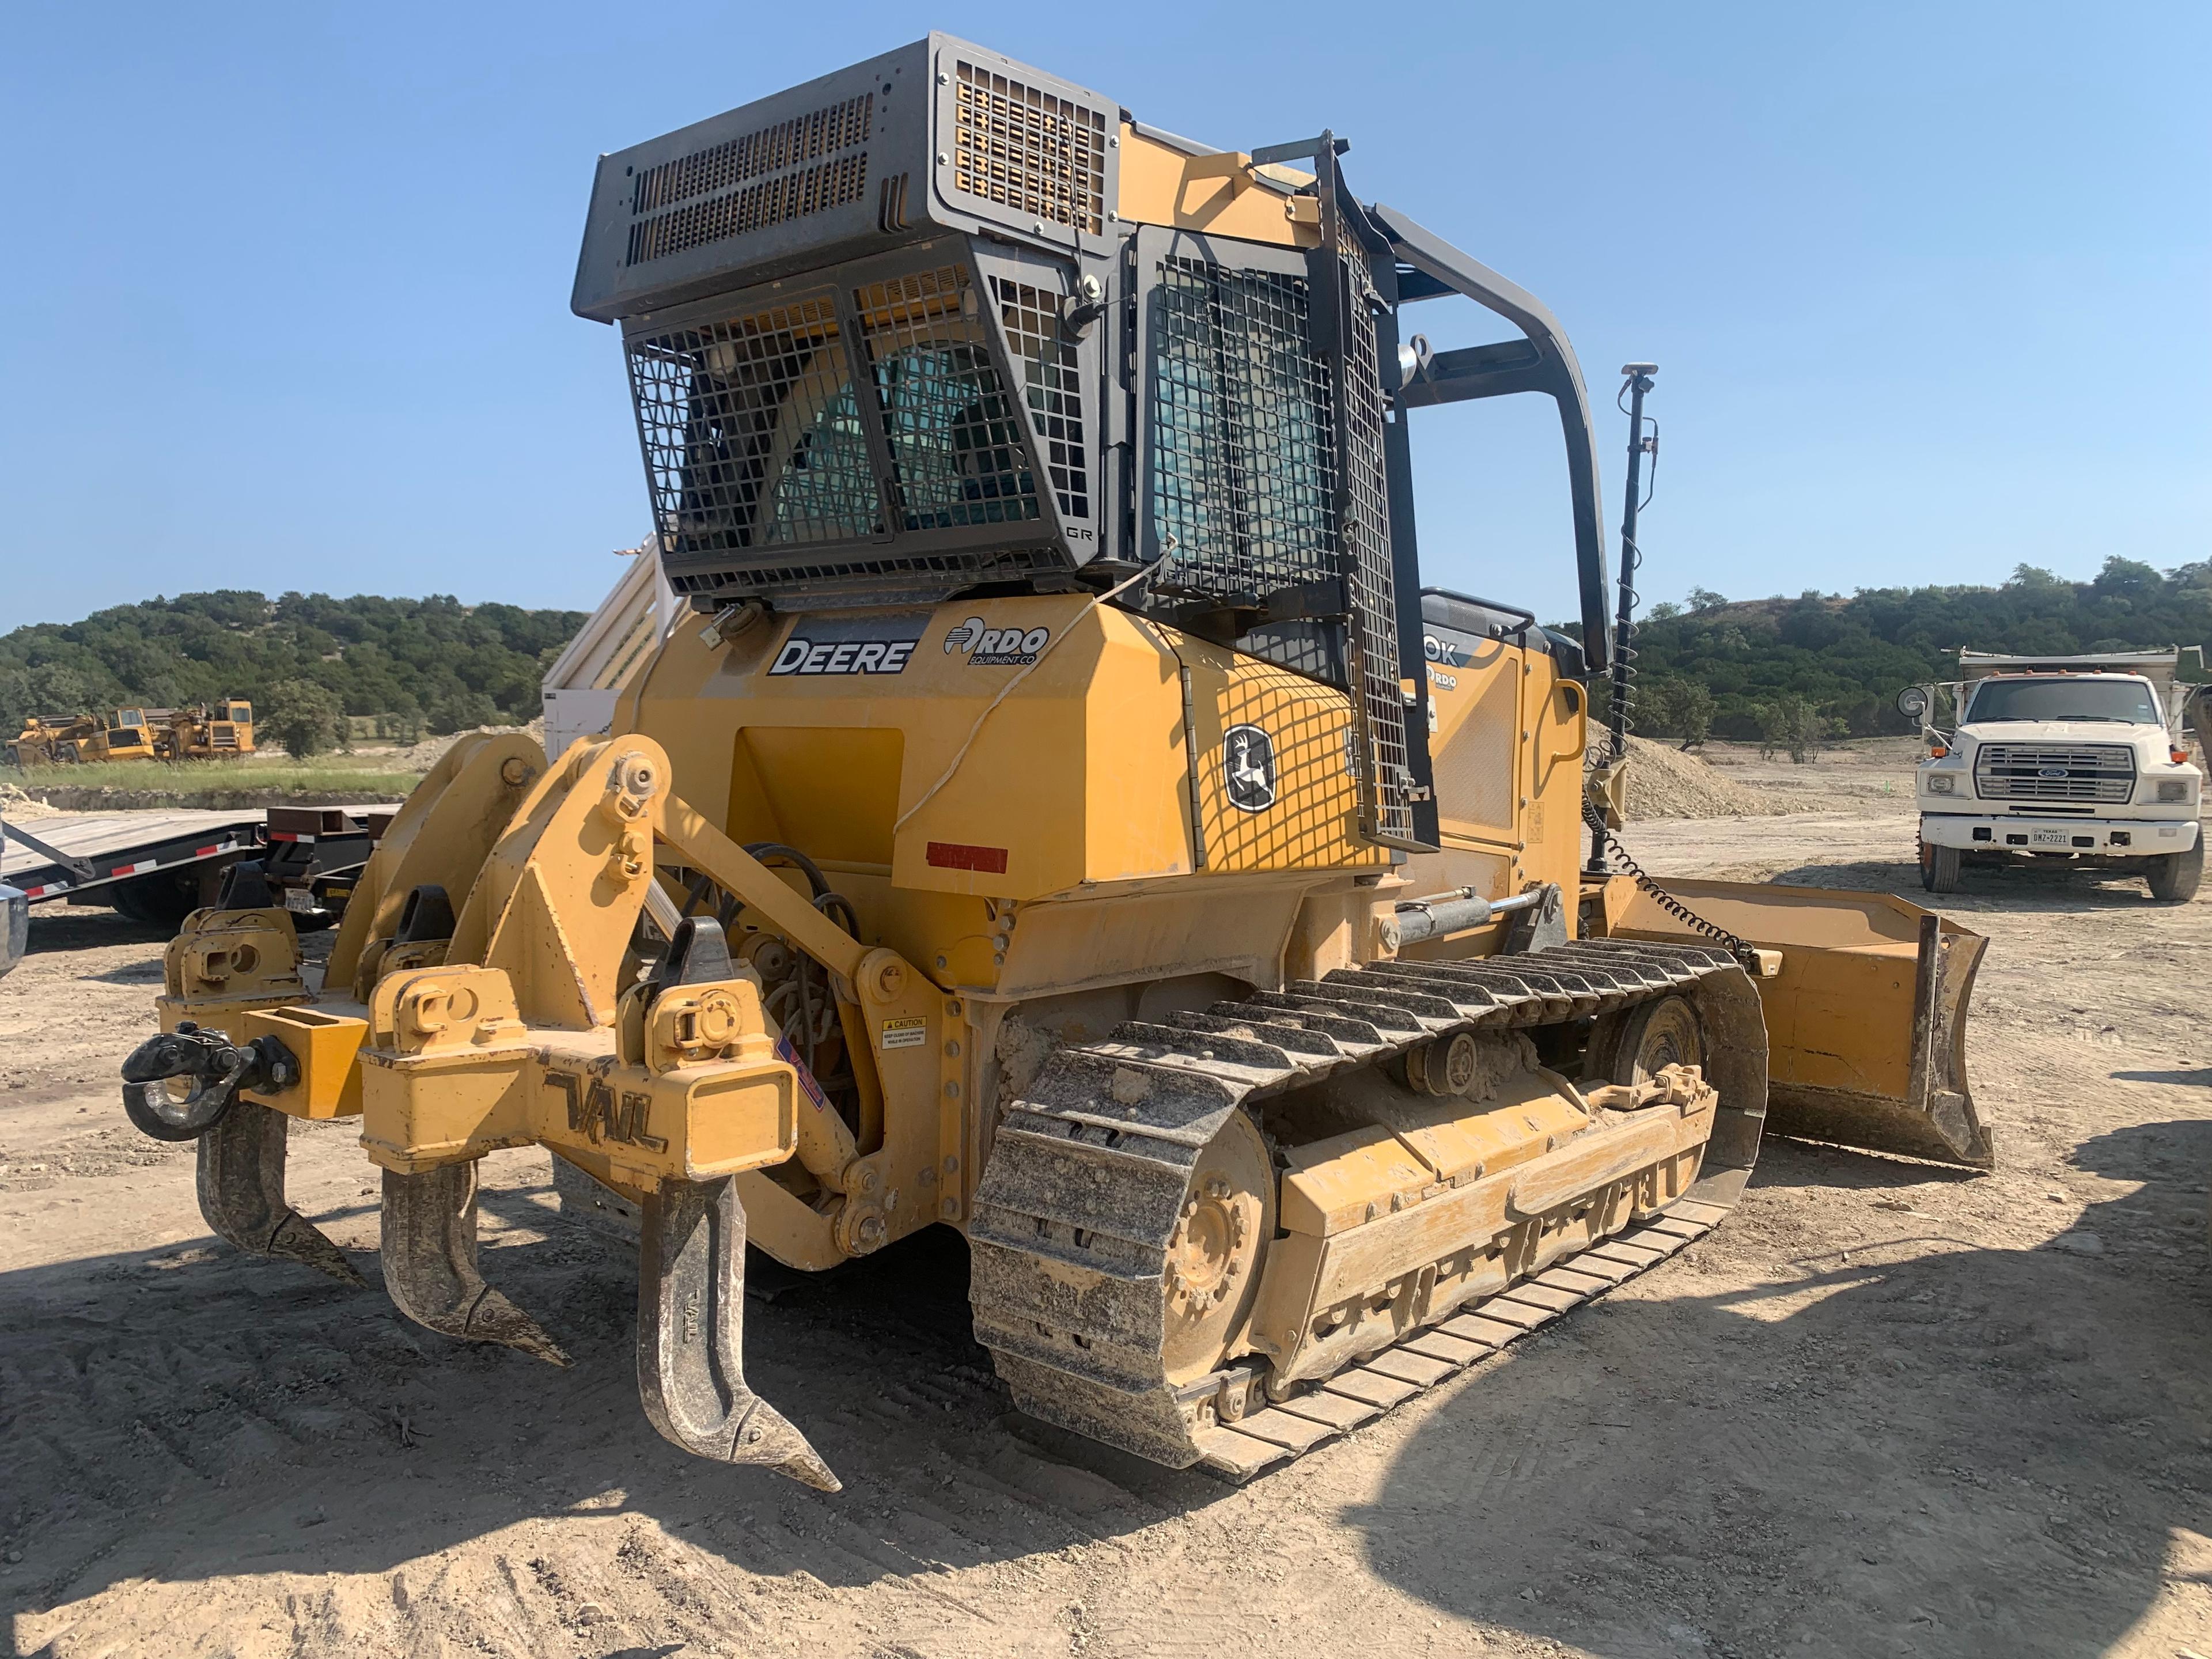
(152, 866)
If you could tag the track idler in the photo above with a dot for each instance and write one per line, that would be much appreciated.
(690, 1331)
(430, 1263)
(242, 1144)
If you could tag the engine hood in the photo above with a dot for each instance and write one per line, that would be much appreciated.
(2132, 737)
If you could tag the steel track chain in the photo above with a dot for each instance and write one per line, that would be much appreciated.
(1088, 1175)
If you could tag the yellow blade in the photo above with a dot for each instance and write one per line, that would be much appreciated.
(1866, 1022)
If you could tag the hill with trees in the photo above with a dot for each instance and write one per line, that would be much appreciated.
(432, 664)
(1783, 670)
(1792, 671)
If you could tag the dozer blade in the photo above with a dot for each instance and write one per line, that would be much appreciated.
(430, 1263)
(690, 1330)
(241, 1192)
(1866, 1022)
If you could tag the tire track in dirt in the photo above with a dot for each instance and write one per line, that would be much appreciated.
(1874, 1359)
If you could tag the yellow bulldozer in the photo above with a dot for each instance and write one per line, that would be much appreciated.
(1066, 816)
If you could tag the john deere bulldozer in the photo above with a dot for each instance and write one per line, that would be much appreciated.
(1064, 817)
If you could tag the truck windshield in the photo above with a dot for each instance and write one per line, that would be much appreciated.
(2128, 701)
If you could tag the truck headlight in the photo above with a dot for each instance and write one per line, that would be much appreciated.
(1941, 784)
(2174, 789)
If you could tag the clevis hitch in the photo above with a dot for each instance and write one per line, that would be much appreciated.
(214, 1066)
(241, 1143)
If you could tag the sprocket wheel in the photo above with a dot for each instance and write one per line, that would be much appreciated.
(1214, 1255)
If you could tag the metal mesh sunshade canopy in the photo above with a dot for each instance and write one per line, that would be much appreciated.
(1258, 481)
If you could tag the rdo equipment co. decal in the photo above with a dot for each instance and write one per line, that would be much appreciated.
(997, 647)
(1247, 765)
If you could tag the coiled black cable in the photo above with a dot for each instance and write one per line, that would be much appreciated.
(1736, 946)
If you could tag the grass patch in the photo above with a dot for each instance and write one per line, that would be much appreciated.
(215, 783)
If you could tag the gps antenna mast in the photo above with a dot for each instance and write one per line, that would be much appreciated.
(1624, 628)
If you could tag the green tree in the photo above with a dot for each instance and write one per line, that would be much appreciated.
(1675, 708)
(49, 689)
(459, 711)
(305, 718)
(373, 653)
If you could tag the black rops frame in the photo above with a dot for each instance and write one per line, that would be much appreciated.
(1543, 362)
(1408, 263)
(1423, 266)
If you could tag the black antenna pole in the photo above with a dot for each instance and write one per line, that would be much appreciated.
(1624, 628)
(1639, 381)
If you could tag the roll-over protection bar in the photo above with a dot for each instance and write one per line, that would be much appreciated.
(1543, 362)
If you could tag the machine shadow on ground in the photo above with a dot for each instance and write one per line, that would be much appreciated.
(1727, 1473)
(56, 929)
(304, 1427)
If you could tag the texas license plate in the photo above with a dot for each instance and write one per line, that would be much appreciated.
(2049, 838)
(298, 899)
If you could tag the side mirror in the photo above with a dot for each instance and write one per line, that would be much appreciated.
(1912, 702)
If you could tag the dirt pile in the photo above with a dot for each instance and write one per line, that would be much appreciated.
(422, 756)
(1663, 783)
(15, 804)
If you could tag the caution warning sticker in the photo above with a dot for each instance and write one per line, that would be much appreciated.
(910, 1032)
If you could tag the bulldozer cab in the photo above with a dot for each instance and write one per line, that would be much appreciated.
(1006, 339)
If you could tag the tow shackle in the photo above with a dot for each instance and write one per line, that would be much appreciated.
(217, 1068)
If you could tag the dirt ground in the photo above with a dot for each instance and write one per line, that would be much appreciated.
(1887, 1409)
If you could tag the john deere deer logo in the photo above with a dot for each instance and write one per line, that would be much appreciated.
(1248, 764)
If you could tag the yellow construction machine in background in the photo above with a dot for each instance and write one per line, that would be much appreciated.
(203, 732)
(1066, 817)
(66, 739)
(219, 730)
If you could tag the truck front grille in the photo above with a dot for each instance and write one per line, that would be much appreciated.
(2055, 772)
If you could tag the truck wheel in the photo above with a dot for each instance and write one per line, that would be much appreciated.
(1939, 868)
(2174, 877)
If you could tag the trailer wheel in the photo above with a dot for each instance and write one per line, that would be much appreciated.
(1939, 868)
(161, 900)
(2174, 877)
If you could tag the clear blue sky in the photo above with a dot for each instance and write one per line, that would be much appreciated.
(286, 291)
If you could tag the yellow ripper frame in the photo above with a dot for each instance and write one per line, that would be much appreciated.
(507, 1024)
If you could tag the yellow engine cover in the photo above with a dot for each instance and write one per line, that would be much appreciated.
(1013, 748)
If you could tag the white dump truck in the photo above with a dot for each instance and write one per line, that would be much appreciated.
(2079, 759)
